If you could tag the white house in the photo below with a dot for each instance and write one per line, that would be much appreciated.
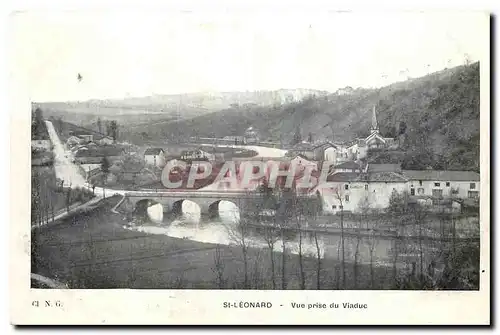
(373, 186)
(453, 184)
(73, 140)
(302, 162)
(106, 140)
(355, 192)
(327, 151)
(197, 154)
(155, 157)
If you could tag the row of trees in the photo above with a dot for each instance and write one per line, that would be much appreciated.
(111, 128)
(48, 196)
(415, 262)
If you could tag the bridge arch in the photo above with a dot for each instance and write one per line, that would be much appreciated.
(149, 209)
(185, 207)
(213, 209)
(225, 210)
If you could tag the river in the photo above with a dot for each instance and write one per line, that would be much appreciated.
(193, 226)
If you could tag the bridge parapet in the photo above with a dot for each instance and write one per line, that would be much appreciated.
(206, 201)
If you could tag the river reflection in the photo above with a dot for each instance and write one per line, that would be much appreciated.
(224, 230)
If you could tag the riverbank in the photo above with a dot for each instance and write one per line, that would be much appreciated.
(94, 251)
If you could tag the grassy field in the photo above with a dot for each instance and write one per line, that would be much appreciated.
(94, 251)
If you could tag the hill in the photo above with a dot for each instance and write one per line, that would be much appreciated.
(440, 111)
(138, 111)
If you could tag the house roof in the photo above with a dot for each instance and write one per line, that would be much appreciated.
(347, 165)
(298, 156)
(80, 133)
(343, 176)
(73, 138)
(375, 136)
(100, 152)
(194, 152)
(444, 175)
(382, 177)
(383, 168)
(153, 151)
(324, 144)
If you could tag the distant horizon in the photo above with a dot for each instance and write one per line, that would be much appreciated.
(250, 91)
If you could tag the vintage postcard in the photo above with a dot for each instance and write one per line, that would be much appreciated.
(250, 167)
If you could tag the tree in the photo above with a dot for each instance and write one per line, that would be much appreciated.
(299, 220)
(402, 127)
(310, 137)
(114, 129)
(68, 199)
(239, 234)
(105, 170)
(218, 268)
(339, 197)
(391, 132)
(99, 125)
(60, 125)
(271, 237)
(297, 137)
(318, 263)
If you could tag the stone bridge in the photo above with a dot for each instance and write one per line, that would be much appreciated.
(208, 201)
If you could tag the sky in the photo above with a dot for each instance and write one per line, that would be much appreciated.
(124, 54)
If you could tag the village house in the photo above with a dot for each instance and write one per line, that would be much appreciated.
(371, 187)
(73, 141)
(95, 155)
(230, 140)
(355, 192)
(197, 154)
(304, 149)
(453, 184)
(155, 157)
(326, 151)
(84, 137)
(105, 140)
(251, 136)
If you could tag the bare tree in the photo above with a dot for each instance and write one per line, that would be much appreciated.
(283, 259)
(420, 218)
(257, 277)
(218, 268)
(362, 217)
(239, 234)
(271, 237)
(298, 216)
(318, 263)
(339, 197)
(397, 210)
(356, 251)
(372, 243)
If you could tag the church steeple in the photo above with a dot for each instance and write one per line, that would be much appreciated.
(374, 128)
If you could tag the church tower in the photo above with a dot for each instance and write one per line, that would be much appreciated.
(374, 129)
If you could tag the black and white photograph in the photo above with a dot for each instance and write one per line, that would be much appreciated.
(331, 151)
